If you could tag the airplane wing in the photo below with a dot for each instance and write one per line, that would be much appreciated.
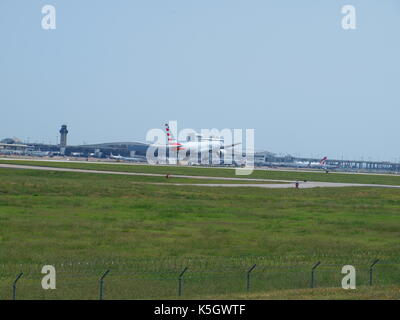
(231, 145)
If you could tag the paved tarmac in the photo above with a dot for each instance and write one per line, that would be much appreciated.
(280, 184)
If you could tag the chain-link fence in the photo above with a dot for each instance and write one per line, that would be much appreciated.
(184, 279)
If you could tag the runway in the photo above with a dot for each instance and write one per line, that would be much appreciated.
(287, 169)
(17, 166)
(280, 184)
(302, 185)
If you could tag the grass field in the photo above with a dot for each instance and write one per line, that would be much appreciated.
(85, 223)
(364, 293)
(221, 172)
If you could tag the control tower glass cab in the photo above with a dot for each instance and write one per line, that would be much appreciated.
(63, 136)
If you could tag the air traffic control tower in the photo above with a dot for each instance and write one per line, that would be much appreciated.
(63, 136)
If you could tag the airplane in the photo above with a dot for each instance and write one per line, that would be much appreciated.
(76, 154)
(202, 146)
(132, 159)
(38, 153)
(318, 165)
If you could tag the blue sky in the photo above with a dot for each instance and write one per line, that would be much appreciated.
(114, 69)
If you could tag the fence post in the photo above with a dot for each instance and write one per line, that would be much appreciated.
(248, 277)
(370, 271)
(101, 284)
(181, 280)
(14, 295)
(312, 273)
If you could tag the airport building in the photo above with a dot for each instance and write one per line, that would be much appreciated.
(12, 146)
(137, 150)
(102, 150)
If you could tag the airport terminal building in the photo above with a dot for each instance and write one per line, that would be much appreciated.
(137, 150)
(103, 150)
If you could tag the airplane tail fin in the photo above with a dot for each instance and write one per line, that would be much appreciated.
(323, 161)
(171, 139)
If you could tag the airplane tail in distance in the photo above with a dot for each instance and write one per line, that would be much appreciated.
(171, 139)
(323, 161)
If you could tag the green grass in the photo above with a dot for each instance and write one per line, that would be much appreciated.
(363, 293)
(118, 222)
(180, 180)
(222, 172)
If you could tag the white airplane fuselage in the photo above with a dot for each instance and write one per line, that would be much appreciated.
(197, 146)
